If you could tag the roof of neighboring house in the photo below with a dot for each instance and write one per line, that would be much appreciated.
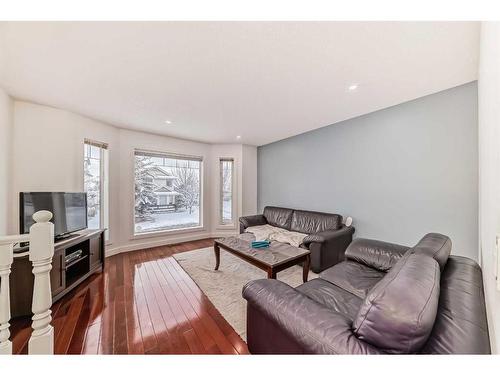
(157, 171)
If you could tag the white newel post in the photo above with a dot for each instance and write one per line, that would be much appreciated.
(6, 257)
(41, 253)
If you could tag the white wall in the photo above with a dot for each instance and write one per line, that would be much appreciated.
(249, 180)
(6, 109)
(47, 149)
(48, 153)
(400, 172)
(489, 173)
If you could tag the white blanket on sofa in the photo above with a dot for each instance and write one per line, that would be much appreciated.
(262, 232)
(270, 233)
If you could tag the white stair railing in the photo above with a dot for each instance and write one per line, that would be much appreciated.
(41, 251)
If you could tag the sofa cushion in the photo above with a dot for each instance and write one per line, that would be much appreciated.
(353, 277)
(436, 245)
(332, 297)
(278, 216)
(313, 222)
(398, 313)
(376, 254)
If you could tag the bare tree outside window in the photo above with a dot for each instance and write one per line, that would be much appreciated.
(187, 184)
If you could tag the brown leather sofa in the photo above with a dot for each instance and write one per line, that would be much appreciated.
(327, 237)
(384, 298)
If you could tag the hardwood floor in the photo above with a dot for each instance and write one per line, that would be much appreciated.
(143, 302)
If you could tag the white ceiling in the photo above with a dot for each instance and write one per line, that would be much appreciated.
(264, 81)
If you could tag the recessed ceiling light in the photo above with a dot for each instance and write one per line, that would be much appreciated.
(352, 87)
(238, 137)
(168, 122)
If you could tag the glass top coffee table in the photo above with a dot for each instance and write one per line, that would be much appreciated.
(273, 259)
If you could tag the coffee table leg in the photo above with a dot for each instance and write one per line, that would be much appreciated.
(305, 268)
(271, 274)
(217, 256)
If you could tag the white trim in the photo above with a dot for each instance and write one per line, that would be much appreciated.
(167, 241)
(167, 232)
(163, 242)
(224, 233)
(163, 154)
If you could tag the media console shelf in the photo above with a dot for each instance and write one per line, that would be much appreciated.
(75, 259)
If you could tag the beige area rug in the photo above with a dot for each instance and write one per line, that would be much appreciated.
(223, 287)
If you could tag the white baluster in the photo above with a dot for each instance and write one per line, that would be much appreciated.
(40, 254)
(5, 263)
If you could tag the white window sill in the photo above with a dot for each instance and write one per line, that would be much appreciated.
(167, 232)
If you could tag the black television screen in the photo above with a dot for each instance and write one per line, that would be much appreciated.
(69, 210)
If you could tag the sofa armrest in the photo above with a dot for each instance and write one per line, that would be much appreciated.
(313, 327)
(376, 254)
(251, 221)
(327, 248)
(327, 235)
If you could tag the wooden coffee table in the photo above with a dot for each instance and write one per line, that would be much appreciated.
(277, 257)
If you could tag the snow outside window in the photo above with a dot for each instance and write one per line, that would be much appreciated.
(226, 191)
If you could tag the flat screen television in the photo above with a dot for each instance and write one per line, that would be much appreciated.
(69, 211)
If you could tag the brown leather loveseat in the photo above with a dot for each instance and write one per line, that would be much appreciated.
(327, 238)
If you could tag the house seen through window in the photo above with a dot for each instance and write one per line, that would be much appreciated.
(167, 192)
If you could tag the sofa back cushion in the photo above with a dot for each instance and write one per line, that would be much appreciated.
(278, 216)
(398, 313)
(375, 254)
(435, 245)
(313, 222)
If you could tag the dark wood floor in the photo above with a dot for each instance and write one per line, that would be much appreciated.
(143, 302)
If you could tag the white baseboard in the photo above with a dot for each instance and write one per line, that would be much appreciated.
(225, 233)
(167, 241)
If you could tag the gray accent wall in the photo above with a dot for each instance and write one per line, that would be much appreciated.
(399, 172)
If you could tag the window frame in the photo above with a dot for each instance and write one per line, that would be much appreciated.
(221, 222)
(163, 232)
(103, 184)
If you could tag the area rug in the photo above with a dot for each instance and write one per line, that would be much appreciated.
(223, 287)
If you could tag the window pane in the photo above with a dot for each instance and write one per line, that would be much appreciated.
(167, 193)
(105, 193)
(92, 185)
(227, 191)
(96, 169)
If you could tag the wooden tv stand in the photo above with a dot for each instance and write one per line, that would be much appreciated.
(64, 276)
